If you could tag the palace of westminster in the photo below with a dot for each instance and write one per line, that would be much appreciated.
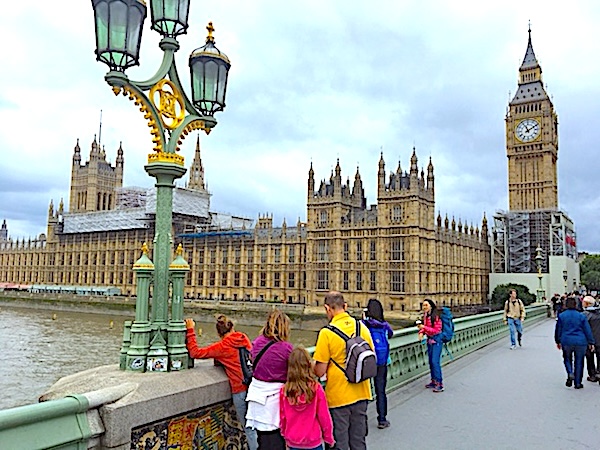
(398, 250)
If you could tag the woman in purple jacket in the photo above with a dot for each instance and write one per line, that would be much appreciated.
(270, 374)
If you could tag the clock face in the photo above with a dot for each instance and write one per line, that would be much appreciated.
(527, 130)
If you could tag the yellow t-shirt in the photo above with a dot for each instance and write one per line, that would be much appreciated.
(339, 391)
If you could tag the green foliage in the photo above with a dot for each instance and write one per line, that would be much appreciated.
(591, 280)
(501, 294)
(590, 272)
(590, 263)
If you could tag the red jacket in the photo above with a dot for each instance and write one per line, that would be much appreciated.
(226, 352)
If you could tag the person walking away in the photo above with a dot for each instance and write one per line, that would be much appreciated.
(592, 314)
(573, 335)
(304, 418)
(380, 331)
(431, 329)
(514, 316)
(347, 401)
(226, 352)
(270, 373)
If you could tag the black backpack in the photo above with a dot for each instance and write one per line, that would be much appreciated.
(246, 362)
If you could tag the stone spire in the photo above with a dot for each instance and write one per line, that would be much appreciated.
(77, 154)
(120, 160)
(196, 181)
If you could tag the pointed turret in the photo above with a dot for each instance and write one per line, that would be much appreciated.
(414, 170)
(357, 189)
(430, 177)
(77, 154)
(484, 226)
(381, 176)
(120, 160)
(4, 232)
(530, 87)
(196, 180)
(311, 181)
(61, 207)
(94, 149)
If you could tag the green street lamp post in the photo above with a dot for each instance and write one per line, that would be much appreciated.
(155, 340)
(538, 261)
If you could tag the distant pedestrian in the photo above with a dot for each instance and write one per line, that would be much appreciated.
(226, 352)
(305, 421)
(431, 329)
(270, 373)
(573, 335)
(514, 315)
(592, 314)
(381, 331)
(555, 305)
(347, 401)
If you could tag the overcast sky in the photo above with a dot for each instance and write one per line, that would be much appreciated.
(311, 81)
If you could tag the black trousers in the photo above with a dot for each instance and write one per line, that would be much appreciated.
(270, 440)
(592, 359)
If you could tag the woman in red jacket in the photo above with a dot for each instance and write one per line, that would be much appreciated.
(431, 328)
(226, 353)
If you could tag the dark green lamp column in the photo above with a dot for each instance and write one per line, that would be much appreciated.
(155, 341)
(176, 329)
(141, 327)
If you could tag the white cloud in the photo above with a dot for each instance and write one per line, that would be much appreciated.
(310, 82)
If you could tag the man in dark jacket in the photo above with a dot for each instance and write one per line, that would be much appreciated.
(592, 313)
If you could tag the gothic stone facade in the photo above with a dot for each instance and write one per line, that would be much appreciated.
(396, 251)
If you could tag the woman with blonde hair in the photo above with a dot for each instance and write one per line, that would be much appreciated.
(270, 373)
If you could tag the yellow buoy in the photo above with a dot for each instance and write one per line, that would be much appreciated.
(54, 316)
(111, 324)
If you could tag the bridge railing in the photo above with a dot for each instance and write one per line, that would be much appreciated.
(74, 422)
(409, 356)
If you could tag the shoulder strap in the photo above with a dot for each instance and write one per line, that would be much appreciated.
(337, 331)
(261, 353)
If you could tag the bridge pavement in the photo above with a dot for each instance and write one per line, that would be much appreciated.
(495, 398)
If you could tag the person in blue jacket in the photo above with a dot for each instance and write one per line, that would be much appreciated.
(381, 331)
(573, 335)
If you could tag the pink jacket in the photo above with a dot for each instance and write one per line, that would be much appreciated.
(306, 425)
(431, 330)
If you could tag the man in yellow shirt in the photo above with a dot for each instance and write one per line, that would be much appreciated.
(347, 401)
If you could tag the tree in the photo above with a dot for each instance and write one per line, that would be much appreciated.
(501, 294)
(591, 280)
(590, 272)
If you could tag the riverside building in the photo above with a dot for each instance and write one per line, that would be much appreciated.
(397, 250)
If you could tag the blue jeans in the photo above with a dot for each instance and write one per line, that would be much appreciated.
(434, 352)
(380, 396)
(239, 402)
(579, 352)
(512, 325)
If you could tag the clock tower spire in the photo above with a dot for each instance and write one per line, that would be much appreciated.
(531, 141)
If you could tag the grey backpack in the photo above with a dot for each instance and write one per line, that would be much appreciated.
(361, 362)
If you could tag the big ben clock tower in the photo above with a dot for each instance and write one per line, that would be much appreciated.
(531, 141)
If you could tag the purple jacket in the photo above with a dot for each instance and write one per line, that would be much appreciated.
(273, 363)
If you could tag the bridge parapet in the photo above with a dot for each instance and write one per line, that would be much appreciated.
(129, 409)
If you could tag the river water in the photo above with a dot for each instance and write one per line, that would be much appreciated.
(40, 346)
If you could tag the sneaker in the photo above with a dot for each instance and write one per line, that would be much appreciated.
(512, 347)
(569, 381)
(592, 379)
(430, 385)
(384, 424)
(579, 386)
(438, 388)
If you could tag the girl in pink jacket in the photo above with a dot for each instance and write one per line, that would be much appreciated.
(305, 421)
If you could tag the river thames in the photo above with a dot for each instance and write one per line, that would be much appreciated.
(40, 346)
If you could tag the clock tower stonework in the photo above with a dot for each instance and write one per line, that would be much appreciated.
(531, 141)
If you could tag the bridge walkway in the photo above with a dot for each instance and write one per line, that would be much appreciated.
(495, 398)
